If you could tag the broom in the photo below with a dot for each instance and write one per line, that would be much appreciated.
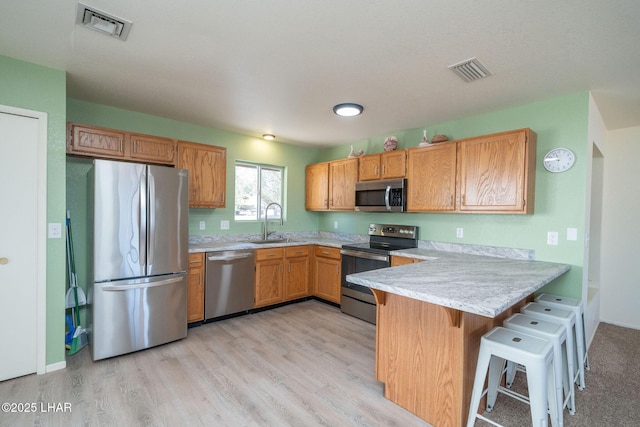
(79, 339)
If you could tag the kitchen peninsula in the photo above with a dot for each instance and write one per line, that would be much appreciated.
(430, 318)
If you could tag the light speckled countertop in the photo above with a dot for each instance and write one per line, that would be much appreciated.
(477, 284)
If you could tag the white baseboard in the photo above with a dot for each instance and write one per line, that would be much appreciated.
(56, 366)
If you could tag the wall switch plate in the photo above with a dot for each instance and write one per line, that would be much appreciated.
(572, 233)
(459, 233)
(224, 224)
(335, 225)
(55, 230)
(552, 238)
(202, 225)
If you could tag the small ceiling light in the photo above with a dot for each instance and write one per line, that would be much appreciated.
(348, 109)
(269, 137)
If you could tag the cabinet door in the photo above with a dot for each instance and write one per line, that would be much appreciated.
(327, 279)
(297, 278)
(394, 164)
(431, 178)
(369, 167)
(207, 167)
(269, 282)
(152, 149)
(494, 173)
(317, 187)
(195, 288)
(96, 142)
(343, 175)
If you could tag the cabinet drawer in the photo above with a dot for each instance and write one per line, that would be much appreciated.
(327, 252)
(294, 251)
(270, 253)
(196, 260)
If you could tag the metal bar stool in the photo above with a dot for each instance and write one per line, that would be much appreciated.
(557, 334)
(536, 355)
(568, 319)
(576, 306)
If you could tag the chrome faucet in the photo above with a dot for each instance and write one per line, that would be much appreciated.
(266, 219)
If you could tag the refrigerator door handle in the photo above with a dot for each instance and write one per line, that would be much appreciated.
(151, 231)
(111, 288)
(142, 223)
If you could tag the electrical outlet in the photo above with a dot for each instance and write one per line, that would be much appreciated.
(224, 224)
(55, 230)
(459, 233)
(335, 225)
(202, 225)
(552, 238)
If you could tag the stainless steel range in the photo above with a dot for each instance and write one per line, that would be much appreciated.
(356, 300)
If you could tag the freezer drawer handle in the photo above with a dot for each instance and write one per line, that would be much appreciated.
(228, 257)
(142, 285)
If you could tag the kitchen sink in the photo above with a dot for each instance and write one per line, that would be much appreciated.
(263, 242)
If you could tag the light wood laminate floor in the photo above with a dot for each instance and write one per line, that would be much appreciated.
(305, 364)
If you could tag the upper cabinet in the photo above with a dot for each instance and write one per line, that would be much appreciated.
(93, 141)
(207, 165)
(496, 173)
(492, 174)
(331, 185)
(387, 165)
(431, 178)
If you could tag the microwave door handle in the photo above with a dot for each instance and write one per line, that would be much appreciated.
(386, 197)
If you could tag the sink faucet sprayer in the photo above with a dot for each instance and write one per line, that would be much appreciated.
(266, 219)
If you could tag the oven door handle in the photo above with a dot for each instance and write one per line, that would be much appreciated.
(366, 255)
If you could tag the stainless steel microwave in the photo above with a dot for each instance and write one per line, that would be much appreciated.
(389, 195)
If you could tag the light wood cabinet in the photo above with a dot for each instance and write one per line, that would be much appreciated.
(496, 173)
(269, 281)
(97, 142)
(317, 187)
(326, 272)
(431, 178)
(207, 165)
(195, 288)
(298, 272)
(387, 165)
(331, 185)
(489, 174)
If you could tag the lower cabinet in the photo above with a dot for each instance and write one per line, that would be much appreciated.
(401, 260)
(282, 274)
(195, 288)
(326, 273)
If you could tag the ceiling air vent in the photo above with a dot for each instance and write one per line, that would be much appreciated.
(103, 22)
(470, 70)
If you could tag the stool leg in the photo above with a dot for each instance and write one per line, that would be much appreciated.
(581, 346)
(478, 385)
(553, 397)
(511, 373)
(557, 371)
(537, 380)
(496, 367)
(567, 380)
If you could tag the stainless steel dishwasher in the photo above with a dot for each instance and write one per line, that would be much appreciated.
(229, 283)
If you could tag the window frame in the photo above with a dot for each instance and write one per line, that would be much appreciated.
(259, 168)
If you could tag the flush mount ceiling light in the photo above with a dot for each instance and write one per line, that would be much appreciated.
(103, 22)
(348, 109)
(269, 137)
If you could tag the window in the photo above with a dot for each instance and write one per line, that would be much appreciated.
(256, 187)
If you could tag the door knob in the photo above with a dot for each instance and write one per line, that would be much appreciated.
(4, 261)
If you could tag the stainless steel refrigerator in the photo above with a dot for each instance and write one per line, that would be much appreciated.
(139, 217)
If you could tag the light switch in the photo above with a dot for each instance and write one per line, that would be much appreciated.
(55, 230)
(572, 233)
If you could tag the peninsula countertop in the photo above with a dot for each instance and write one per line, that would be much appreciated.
(476, 284)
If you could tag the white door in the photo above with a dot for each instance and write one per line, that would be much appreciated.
(18, 244)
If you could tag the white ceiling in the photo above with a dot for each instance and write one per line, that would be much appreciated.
(276, 66)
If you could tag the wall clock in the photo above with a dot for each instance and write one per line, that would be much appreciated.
(559, 160)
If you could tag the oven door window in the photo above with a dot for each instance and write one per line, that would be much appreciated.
(352, 265)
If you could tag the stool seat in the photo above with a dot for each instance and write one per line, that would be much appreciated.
(576, 306)
(536, 354)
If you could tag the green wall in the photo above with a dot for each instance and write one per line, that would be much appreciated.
(559, 199)
(33, 87)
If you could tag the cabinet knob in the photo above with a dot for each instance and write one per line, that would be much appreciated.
(4, 261)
